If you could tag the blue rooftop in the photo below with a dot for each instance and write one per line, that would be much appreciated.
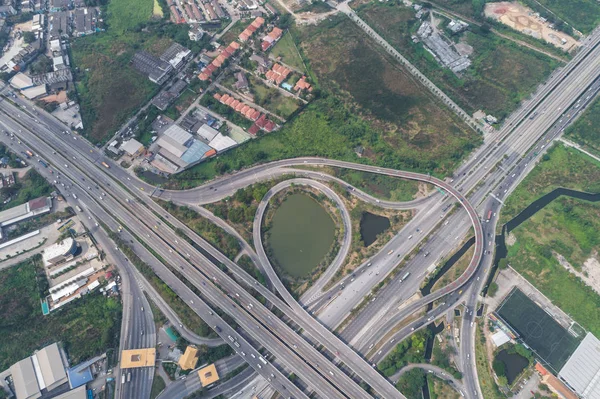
(287, 86)
(79, 376)
(195, 152)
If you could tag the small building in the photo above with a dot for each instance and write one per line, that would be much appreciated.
(132, 147)
(207, 133)
(188, 360)
(222, 143)
(208, 375)
(241, 81)
(155, 68)
(196, 34)
(49, 361)
(25, 211)
(35, 92)
(60, 252)
(21, 81)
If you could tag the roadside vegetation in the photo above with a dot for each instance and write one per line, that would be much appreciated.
(216, 236)
(239, 209)
(488, 386)
(31, 186)
(586, 131)
(501, 75)
(273, 100)
(411, 350)
(87, 327)
(557, 248)
(158, 385)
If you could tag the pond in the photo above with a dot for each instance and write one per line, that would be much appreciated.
(514, 364)
(371, 226)
(301, 234)
(153, 178)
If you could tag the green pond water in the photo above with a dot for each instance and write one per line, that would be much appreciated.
(301, 234)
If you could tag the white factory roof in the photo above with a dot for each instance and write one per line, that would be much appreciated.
(34, 91)
(55, 45)
(132, 146)
(58, 249)
(21, 81)
(582, 370)
(93, 284)
(26, 385)
(207, 133)
(77, 393)
(221, 143)
(177, 134)
(14, 212)
(171, 146)
(51, 366)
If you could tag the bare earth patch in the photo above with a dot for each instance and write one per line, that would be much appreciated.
(591, 270)
(522, 19)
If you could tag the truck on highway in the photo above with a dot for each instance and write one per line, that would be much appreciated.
(28, 152)
(26, 155)
(128, 377)
(405, 276)
(107, 166)
(44, 164)
(263, 361)
(123, 379)
(489, 216)
(78, 208)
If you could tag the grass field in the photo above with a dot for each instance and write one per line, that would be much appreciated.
(109, 88)
(561, 167)
(586, 130)
(286, 49)
(233, 32)
(566, 226)
(87, 326)
(538, 329)
(583, 15)
(158, 384)
(502, 73)
(272, 99)
(380, 186)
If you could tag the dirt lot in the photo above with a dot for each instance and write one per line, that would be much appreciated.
(522, 19)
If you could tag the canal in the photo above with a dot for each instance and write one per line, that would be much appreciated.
(301, 234)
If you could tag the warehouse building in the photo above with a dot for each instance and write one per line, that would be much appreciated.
(35, 207)
(582, 370)
(40, 373)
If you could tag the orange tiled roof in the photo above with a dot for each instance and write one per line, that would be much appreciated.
(235, 45)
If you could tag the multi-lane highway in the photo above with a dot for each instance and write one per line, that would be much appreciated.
(274, 343)
(495, 168)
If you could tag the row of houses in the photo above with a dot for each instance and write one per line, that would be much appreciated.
(190, 11)
(260, 120)
(216, 63)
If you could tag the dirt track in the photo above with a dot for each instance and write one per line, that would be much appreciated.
(522, 19)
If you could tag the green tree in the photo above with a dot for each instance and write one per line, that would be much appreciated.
(29, 37)
(493, 289)
(499, 367)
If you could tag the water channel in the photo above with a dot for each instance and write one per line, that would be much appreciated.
(301, 234)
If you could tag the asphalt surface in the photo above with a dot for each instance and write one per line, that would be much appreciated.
(275, 343)
(477, 170)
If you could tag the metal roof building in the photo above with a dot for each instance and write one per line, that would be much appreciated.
(26, 385)
(582, 370)
(51, 366)
(178, 135)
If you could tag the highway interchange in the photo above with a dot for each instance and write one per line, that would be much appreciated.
(488, 177)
